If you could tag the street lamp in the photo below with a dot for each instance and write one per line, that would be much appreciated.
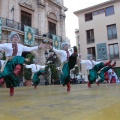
(51, 56)
(46, 54)
(12, 10)
(50, 60)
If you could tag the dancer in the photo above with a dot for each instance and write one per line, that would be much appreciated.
(68, 61)
(14, 60)
(37, 70)
(101, 73)
(2, 62)
(92, 68)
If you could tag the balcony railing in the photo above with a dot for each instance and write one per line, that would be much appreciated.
(15, 25)
(111, 57)
(19, 26)
(90, 40)
(114, 56)
(49, 35)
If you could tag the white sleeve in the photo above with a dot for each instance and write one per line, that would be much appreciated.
(25, 48)
(3, 47)
(28, 66)
(83, 61)
(42, 66)
(58, 51)
(97, 63)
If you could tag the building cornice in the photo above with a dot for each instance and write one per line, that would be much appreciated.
(26, 4)
(96, 6)
(59, 5)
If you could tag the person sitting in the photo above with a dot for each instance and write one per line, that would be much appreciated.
(114, 77)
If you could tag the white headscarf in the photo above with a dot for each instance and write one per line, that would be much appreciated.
(12, 34)
(63, 44)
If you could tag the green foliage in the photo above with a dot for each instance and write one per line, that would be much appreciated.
(27, 71)
(54, 71)
(3, 58)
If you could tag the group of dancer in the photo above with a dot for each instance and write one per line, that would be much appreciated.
(96, 69)
(10, 69)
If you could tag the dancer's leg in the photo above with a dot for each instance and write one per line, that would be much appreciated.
(68, 86)
(2, 80)
(102, 73)
(11, 91)
(17, 70)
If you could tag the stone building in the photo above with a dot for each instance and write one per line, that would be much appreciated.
(43, 16)
(98, 32)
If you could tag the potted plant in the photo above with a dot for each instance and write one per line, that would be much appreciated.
(27, 71)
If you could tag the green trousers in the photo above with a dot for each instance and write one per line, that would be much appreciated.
(36, 79)
(65, 74)
(8, 75)
(101, 74)
(93, 73)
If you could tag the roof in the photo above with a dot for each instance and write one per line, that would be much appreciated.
(96, 6)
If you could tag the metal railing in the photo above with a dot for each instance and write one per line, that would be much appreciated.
(19, 26)
(15, 25)
(90, 40)
(110, 57)
(49, 35)
(114, 56)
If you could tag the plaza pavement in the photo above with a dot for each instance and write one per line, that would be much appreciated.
(53, 102)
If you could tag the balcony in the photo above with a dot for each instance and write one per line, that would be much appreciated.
(89, 40)
(114, 56)
(7, 23)
(15, 25)
(49, 35)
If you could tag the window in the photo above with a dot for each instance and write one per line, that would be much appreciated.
(95, 12)
(109, 10)
(101, 11)
(91, 50)
(113, 51)
(111, 31)
(26, 19)
(88, 16)
(90, 36)
(52, 29)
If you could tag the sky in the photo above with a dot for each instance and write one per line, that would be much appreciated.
(71, 21)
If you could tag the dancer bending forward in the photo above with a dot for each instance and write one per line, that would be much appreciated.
(37, 70)
(93, 67)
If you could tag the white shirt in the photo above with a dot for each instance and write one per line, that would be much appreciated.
(115, 75)
(89, 63)
(2, 63)
(110, 70)
(34, 67)
(62, 54)
(7, 48)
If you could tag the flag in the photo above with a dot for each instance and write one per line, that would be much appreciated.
(56, 41)
(29, 36)
(0, 28)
